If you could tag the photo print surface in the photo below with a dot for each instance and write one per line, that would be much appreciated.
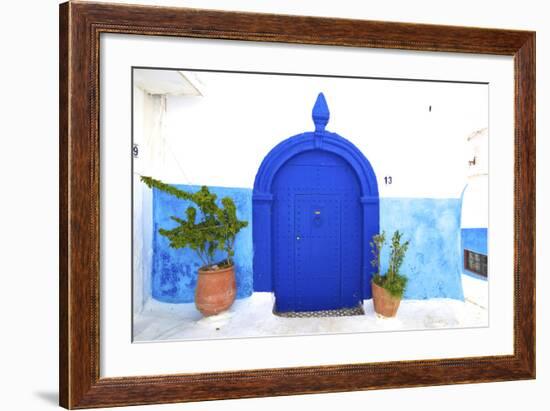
(277, 204)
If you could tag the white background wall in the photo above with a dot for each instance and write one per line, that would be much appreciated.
(389, 121)
(28, 216)
(475, 201)
(145, 126)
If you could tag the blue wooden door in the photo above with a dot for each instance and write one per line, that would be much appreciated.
(317, 226)
(317, 251)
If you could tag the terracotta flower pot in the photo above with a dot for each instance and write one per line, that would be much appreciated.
(384, 303)
(215, 291)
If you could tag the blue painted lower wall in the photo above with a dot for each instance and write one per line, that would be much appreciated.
(174, 271)
(433, 262)
(474, 239)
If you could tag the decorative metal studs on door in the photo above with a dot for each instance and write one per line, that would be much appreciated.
(315, 207)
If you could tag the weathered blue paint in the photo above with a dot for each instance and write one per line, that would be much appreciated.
(317, 228)
(174, 271)
(433, 263)
(474, 239)
(310, 172)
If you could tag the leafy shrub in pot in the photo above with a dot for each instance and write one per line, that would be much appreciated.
(206, 228)
(388, 289)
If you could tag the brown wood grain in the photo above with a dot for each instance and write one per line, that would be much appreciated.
(63, 205)
(80, 27)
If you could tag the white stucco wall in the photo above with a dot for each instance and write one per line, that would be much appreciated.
(477, 153)
(475, 203)
(147, 116)
(220, 138)
(475, 200)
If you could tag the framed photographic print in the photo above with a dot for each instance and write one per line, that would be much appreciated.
(256, 205)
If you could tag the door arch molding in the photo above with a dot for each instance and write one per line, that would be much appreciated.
(263, 196)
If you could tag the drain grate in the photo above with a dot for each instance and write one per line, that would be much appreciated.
(341, 312)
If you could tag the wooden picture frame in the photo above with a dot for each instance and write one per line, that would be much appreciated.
(80, 27)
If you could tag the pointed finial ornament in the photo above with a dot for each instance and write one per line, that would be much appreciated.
(320, 113)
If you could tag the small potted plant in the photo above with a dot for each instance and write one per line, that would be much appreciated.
(388, 289)
(206, 228)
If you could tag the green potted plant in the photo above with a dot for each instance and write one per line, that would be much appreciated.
(388, 289)
(206, 228)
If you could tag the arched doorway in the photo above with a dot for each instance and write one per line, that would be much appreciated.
(315, 210)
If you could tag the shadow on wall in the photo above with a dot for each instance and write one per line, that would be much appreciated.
(433, 263)
(174, 271)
